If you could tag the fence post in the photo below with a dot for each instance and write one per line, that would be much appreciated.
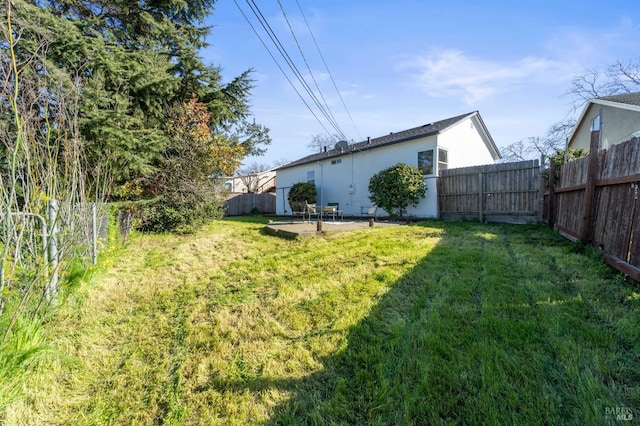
(551, 217)
(52, 216)
(480, 197)
(541, 190)
(586, 233)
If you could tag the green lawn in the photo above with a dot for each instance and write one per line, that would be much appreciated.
(435, 323)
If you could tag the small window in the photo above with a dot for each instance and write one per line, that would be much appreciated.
(228, 187)
(311, 176)
(425, 162)
(442, 159)
(338, 161)
(595, 124)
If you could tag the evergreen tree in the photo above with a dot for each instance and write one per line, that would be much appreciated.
(134, 60)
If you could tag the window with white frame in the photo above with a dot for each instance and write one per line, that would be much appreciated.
(442, 159)
(425, 162)
(311, 176)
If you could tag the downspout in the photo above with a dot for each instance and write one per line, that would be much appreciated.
(352, 190)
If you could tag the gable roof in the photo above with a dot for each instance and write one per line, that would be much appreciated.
(426, 130)
(624, 100)
(628, 101)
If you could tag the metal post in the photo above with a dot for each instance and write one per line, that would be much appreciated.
(94, 232)
(52, 214)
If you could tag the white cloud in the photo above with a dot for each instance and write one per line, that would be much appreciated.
(446, 73)
(595, 47)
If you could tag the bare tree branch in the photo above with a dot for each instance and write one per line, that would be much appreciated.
(253, 177)
(617, 78)
(320, 142)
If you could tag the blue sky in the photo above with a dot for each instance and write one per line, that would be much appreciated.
(400, 64)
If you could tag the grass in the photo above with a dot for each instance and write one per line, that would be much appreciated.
(425, 324)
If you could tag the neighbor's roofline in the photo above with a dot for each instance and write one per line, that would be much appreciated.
(598, 101)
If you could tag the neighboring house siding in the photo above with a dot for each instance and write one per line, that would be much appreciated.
(617, 126)
(619, 120)
(345, 179)
(236, 184)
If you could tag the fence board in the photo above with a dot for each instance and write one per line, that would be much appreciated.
(615, 227)
(497, 192)
(246, 203)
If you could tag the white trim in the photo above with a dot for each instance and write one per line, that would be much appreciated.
(620, 105)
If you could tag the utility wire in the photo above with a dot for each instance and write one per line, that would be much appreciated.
(327, 68)
(280, 67)
(283, 52)
(304, 58)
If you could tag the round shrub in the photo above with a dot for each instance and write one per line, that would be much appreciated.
(300, 193)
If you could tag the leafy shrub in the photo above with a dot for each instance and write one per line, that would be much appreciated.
(181, 213)
(397, 187)
(302, 192)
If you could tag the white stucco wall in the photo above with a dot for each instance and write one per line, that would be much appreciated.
(465, 145)
(347, 182)
(617, 126)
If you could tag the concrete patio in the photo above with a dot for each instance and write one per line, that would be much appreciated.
(314, 229)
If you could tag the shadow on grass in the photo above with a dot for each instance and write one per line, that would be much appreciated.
(495, 325)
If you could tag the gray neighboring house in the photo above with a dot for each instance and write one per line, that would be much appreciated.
(617, 118)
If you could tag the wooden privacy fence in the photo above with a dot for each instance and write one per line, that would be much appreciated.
(246, 203)
(596, 199)
(508, 192)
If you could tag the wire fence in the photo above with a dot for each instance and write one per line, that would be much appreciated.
(41, 245)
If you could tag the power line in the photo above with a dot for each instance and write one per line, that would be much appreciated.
(276, 41)
(304, 58)
(328, 71)
(323, 108)
(280, 67)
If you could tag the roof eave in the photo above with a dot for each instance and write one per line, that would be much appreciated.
(313, 157)
(495, 152)
(621, 105)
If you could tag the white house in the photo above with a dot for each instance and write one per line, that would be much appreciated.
(257, 183)
(342, 175)
(617, 118)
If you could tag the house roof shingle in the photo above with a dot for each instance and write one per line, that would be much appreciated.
(624, 98)
(392, 138)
